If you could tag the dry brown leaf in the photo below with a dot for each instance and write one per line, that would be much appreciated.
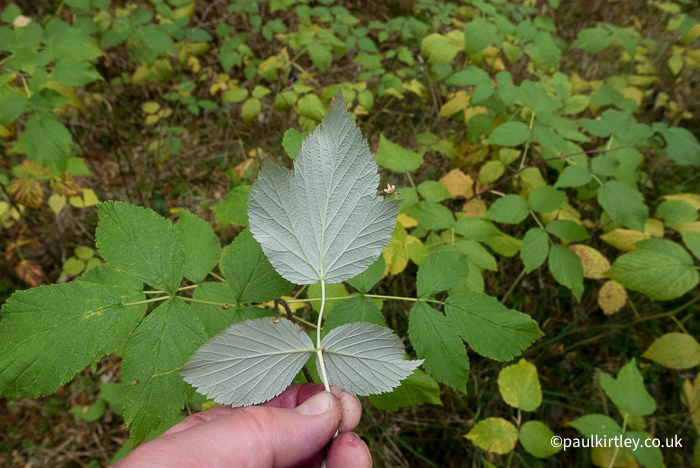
(27, 192)
(242, 167)
(30, 272)
(458, 183)
(594, 263)
(612, 297)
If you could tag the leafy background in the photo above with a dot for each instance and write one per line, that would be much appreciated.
(174, 105)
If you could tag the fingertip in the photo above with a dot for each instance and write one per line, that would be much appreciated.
(352, 409)
(348, 451)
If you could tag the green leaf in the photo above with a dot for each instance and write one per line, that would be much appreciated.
(89, 413)
(200, 244)
(156, 39)
(433, 191)
(216, 319)
(471, 76)
(332, 290)
(675, 212)
(494, 435)
(692, 241)
(567, 269)
(534, 249)
(292, 142)
(592, 39)
(627, 392)
(250, 362)
(416, 389)
(477, 254)
(509, 134)
(320, 54)
(368, 278)
(682, 146)
(49, 333)
(436, 340)
(234, 208)
(520, 387)
(439, 48)
(568, 230)
(431, 215)
(395, 158)
(163, 342)
(489, 327)
(365, 359)
(511, 209)
(311, 107)
(45, 141)
(546, 199)
(675, 351)
(12, 104)
(647, 456)
(355, 309)
(478, 34)
(249, 273)
(74, 73)
(491, 172)
(323, 221)
(250, 109)
(141, 243)
(536, 439)
(624, 204)
(661, 269)
(596, 424)
(439, 271)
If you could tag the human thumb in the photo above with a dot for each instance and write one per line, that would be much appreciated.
(256, 437)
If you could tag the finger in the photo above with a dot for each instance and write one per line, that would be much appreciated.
(348, 451)
(200, 418)
(256, 436)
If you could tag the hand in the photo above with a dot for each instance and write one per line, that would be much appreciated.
(291, 430)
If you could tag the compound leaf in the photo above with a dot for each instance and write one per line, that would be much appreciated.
(250, 362)
(365, 359)
(323, 221)
(139, 242)
(624, 204)
(416, 389)
(49, 333)
(249, 273)
(436, 340)
(368, 278)
(489, 327)
(162, 343)
(355, 309)
(441, 270)
(200, 244)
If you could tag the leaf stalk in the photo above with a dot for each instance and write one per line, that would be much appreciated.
(319, 350)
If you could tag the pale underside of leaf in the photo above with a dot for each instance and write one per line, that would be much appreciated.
(250, 362)
(365, 359)
(323, 221)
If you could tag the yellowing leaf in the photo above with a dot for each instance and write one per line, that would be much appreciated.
(494, 435)
(675, 351)
(395, 257)
(520, 387)
(654, 228)
(623, 239)
(458, 183)
(603, 456)
(150, 107)
(612, 297)
(406, 221)
(694, 226)
(88, 199)
(57, 202)
(692, 392)
(459, 102)
(690, 198)
(594, 263)
(30, 272)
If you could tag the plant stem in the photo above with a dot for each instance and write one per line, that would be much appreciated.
(319, 350)
(617, 446)
(216, 276)
(153, 299)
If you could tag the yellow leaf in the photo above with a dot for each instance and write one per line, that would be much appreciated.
(459, 102)
(694, 226)
(474, 208)
(57, 202)
(635, 94)
(88, 199)
(641, 80)
(417, 251)
(396, 258)
(623, 239)
(458, 183)
(692, 199)
(406, 221)
(150, 107)
(414, 86)
(152, 119)
(5, 131)
(472, 111)
(654, 228)
(603, 456)
(612, 297)
(594, 263)
(693, 400)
